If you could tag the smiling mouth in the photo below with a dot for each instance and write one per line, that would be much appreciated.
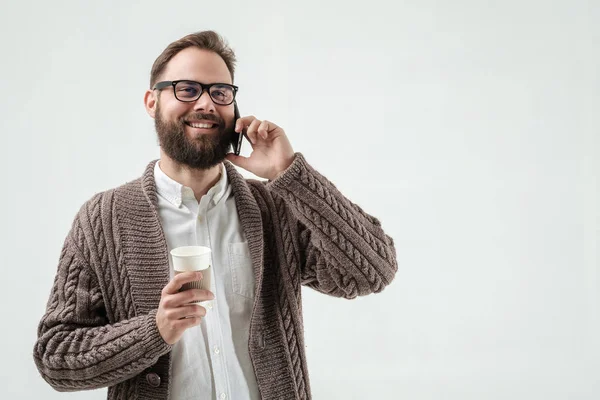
(201, 125)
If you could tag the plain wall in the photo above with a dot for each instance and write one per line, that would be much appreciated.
(469, 128)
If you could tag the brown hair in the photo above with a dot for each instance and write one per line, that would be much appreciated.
(207, 40)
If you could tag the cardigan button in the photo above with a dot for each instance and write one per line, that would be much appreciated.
(153, 379)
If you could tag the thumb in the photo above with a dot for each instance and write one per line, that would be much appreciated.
(239, 161)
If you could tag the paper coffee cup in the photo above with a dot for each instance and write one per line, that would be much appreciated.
(193, 258)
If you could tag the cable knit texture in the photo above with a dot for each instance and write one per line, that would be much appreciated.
(99, 329)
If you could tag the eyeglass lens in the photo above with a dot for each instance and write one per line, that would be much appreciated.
(190, 91)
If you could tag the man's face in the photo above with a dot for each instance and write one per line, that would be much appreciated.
(195, 147)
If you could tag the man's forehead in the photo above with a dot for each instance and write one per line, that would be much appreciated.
(198, 65)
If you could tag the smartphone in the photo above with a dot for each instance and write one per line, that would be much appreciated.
(237, 138)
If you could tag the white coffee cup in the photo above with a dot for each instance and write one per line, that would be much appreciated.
(193, 258)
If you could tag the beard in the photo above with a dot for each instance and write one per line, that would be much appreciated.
(202, 152)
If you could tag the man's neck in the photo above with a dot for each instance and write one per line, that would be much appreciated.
(199, 180)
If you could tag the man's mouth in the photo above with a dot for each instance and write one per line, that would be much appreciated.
(203, 125)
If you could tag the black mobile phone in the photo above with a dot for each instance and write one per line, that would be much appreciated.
(237, 138)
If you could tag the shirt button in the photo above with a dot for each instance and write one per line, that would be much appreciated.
(209, 305)
(223, 396)
(217, 351)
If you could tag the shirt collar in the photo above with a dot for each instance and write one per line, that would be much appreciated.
(175, 192)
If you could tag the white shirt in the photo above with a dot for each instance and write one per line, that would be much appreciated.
(212, 361)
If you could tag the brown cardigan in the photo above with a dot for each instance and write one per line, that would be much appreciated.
(99, 328)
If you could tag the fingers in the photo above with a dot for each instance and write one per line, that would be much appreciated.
(175, 312)
(255, 128)
(179, 280)
(263, 129)
(186, 297)
(243, 122)
(189, 311)
(252, 131)
(185, 323)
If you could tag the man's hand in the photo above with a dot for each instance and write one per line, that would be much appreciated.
(271, 153)
(175, 313)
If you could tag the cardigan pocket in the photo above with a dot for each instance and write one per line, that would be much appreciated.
(242, 273)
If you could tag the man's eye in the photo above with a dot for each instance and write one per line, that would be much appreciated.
(188, 90)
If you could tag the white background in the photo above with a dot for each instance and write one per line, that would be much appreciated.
(469, 128)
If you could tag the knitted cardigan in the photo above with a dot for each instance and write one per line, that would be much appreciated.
(99, 328)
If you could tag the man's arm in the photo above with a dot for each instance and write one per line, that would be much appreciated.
(77, 348)
(343, 251)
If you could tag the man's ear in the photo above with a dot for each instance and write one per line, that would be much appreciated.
(150, 102)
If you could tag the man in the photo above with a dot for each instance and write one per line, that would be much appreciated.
(116, 317)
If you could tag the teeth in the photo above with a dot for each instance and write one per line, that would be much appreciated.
(193, 125)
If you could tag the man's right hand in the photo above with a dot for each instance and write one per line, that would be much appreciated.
(175, 313)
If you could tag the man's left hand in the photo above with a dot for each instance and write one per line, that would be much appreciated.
(271, 153)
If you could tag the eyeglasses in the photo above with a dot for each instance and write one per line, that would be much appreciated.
(188, 91)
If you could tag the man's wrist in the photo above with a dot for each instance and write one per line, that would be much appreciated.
(281, 170)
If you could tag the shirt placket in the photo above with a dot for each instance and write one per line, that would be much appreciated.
(212, 318)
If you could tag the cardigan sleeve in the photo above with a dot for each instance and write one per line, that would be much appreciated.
(77, 348)
(344, 251)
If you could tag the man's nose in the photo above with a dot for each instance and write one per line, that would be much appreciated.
(204, 103)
